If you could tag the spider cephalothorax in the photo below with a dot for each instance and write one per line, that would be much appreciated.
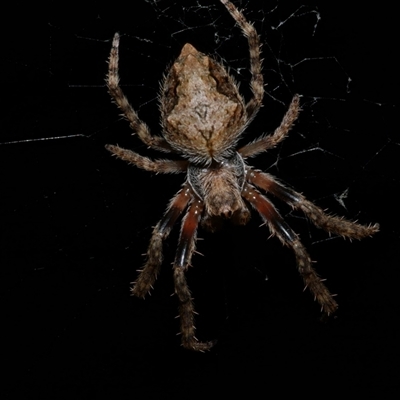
(203, 115)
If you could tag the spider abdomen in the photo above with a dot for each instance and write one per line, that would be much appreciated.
(202, 108)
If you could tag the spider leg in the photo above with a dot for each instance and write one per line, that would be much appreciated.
(270, 141)
(318, 217)
(137, 125)
(257, 80)
(163, 166)
(285, 234)
(183, 257)
(149, 273)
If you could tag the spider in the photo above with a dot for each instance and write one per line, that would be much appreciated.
(203, 116)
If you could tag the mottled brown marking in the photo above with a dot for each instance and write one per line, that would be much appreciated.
(204, 108)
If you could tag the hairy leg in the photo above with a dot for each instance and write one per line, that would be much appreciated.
(285, 234)
(270, 141)
(149, 273)
(137, 125)
(162, 166)
(183, 258)
(318, 217)
(257, 80)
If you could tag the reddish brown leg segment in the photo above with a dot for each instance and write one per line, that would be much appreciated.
(149, 273)
(318, 217)
(183, 258)
(285, 234)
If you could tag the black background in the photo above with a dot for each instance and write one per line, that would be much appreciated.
(76, 222)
